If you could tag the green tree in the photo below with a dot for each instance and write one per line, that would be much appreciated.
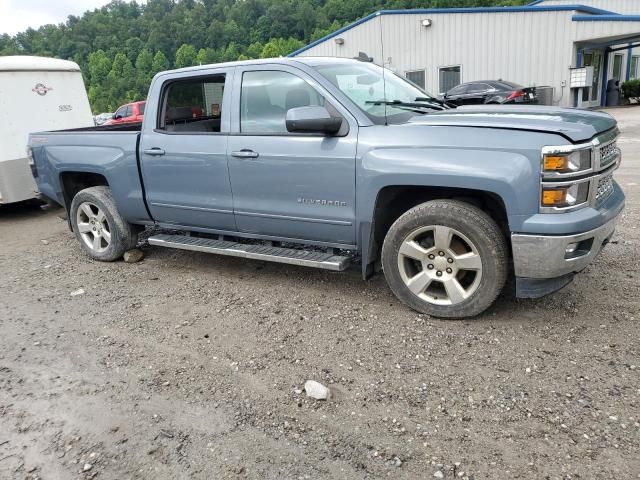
(186, 56)
(99, 67)
(207, 56)
(160, 63)
(279, 47)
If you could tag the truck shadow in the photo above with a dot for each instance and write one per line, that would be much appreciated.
(347, 288)
(21, 211)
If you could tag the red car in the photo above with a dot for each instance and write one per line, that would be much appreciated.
(129, 113)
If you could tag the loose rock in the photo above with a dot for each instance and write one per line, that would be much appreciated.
(438, 474)
(77, 292)
(133, 256)
(316, 390)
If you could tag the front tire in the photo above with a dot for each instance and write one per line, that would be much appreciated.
(102, 232)
(445, 258)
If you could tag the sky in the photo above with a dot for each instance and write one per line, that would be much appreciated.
(17, 15)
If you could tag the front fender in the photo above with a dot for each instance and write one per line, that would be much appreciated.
(501, 162)
(508, 175)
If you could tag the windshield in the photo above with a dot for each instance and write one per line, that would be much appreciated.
(362, 83)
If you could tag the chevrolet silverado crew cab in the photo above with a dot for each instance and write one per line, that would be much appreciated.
(320, 161)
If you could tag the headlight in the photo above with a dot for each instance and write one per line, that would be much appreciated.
(564, 196)
(567, 163)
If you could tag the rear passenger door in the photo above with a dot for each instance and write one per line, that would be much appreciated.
(290, 185)
(456, 94)
(183, 151)
(476, 94)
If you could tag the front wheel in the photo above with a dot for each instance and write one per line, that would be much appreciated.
(102, 232)
(445, 258)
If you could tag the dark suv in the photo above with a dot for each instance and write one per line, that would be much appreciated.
(490, 91)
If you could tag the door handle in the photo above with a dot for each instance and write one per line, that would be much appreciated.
(153, 151)
(245, 153)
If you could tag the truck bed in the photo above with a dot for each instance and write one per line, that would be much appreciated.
(123, 127)
(108, 152)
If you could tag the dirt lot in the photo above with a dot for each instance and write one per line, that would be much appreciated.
(189, 365)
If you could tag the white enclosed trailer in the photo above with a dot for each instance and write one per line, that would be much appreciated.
(36, 94)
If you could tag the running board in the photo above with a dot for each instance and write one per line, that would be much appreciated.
(291, 256)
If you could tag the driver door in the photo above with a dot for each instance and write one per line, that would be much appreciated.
(289, 185)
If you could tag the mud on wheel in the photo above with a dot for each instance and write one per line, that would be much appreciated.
(445, 258)
(102, 232)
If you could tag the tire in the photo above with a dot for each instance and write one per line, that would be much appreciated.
(110, 235)
(445, 258)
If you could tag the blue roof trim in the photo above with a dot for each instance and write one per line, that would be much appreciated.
(606, 18)
(432, 11)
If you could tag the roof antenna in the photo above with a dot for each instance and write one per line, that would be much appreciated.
(384, 83)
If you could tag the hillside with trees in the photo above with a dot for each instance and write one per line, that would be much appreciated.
(122, 45)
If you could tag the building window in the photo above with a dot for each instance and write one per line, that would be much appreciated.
(417, 77)
(617, 66)
(634, 73)
(448, 77)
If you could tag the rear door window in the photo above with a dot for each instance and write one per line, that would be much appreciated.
(459, 90)
(477, 88)
(193, 105)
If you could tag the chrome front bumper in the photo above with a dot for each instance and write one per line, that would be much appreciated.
(546, 256)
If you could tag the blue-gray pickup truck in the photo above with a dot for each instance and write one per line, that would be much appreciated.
(321, 161)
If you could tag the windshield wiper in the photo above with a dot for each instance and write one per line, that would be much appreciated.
(411, 105)
(432, 101)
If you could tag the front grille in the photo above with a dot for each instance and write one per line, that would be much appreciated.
(608, 153)
(605, 188)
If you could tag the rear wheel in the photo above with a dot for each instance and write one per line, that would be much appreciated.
(445, 258)
(102, 232)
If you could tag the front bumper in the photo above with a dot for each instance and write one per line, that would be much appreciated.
(545, 256)
(543, 263)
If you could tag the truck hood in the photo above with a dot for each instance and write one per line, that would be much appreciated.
(573, 124)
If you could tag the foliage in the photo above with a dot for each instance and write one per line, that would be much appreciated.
(631, 89)
(120, 46)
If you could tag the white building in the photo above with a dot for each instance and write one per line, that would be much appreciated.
(534, 45)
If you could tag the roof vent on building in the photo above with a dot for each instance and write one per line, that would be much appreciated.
(426, 22)
(339, 41)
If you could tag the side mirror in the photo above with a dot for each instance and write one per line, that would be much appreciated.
(116, 116)
(312, 120)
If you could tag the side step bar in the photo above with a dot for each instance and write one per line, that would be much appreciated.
(291, 256)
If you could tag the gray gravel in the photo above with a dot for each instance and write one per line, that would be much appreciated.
(187, 365)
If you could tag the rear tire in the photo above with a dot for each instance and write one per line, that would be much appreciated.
(445, 258)
(102, 232)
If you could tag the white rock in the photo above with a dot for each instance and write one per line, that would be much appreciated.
(87, 467)
(316, 390)
(133, 256)
(77, 292)
(438, 474)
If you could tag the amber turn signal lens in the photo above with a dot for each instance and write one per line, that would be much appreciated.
(552, 198)
(555, 162)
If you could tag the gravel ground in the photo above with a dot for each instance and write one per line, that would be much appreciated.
(189, 365)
